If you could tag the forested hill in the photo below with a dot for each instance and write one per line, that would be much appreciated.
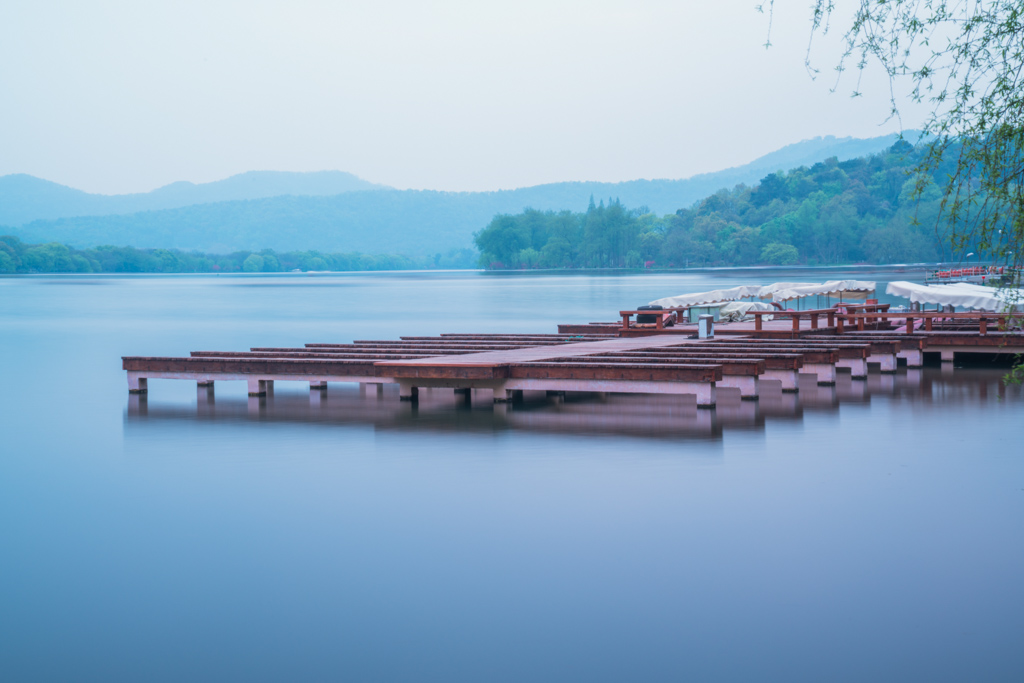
(833, 212)
(415, 223)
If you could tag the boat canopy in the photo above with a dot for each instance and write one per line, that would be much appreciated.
(848, 289)
(963, 294)
(712, 297)
(767, 291)
(739, 310)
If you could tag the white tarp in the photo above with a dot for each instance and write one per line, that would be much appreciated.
(842, 289)
(963, 294)
(767, 291)
(712, 297)
(738, 310)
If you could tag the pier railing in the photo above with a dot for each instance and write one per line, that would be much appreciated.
(813, 315)
(908, 318)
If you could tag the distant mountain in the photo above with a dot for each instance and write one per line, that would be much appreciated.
(412, 222)
(24, 198)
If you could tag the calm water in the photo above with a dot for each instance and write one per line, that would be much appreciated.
(870, 532)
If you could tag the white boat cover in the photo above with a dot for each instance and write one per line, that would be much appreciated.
(962, 294)
(712, 297)
(738, 310)
(845, 289)
(767, 291)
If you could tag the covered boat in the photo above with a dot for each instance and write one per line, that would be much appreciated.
(739, 310)
(840, 289)
(713, 297)
(961, 294)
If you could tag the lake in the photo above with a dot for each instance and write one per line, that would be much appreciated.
(871, 531)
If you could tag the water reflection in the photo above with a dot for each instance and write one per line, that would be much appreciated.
(640, 416)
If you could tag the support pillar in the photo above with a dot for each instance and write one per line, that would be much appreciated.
(886, 362)
(746, 385)
(408, 392)
(947, 356)
(137, 384)
(825, 372)
(914, 357)
(787, 377)
(858, 367)
(706, 394)
(257, 387)
(508, 395)
(318, 385)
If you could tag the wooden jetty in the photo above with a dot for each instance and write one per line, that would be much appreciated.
(609, 357)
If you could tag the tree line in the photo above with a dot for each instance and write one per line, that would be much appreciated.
(862, 210)
(19, 257)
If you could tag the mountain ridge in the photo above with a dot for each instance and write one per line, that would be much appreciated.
(25, 198)
(412, 222)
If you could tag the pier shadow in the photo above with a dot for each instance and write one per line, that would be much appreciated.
(638, 416)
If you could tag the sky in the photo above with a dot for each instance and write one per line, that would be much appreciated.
(117, 97)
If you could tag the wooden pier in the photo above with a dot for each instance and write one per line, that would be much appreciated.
(608, 357)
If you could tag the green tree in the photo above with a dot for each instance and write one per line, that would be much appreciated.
(253, 263)
(965, 60)
(778, 254)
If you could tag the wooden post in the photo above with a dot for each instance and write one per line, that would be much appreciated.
(983, 326)
(814, 321)
(928, 323)
(910, 325)
(860, 324)
(796, 321)
(757, 321)
(625, 321)
(659, 323)
(831, 318)
(839, 325)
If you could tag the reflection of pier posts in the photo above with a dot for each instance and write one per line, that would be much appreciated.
(138, 404)
(850, 390)
(780, 405)
(947, 357)
(204, 394)
(822, 396)
(882, 383)
(257, 404)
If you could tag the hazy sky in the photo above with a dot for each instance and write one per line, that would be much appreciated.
(126, 96)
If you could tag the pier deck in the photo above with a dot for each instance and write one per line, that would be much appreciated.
(606, 360)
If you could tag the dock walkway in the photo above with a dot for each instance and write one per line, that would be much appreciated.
(599, 360)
